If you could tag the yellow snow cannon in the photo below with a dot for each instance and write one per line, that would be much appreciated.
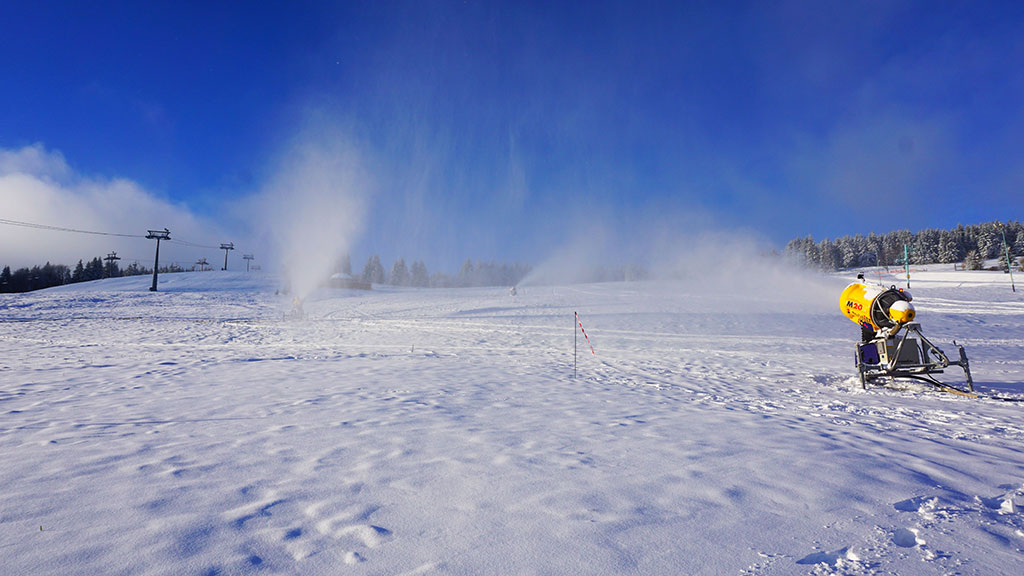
(875, 308)
(883, 352)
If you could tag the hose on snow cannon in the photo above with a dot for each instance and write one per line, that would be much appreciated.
(882, 313)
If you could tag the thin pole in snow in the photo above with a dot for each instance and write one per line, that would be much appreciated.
(906, 263)
(1009, 264)
(580, 324)
(585, 334)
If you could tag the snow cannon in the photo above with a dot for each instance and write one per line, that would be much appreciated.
(875, 308)
(892, 345)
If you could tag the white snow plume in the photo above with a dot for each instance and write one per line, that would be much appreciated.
(685, 251)
(737, 263)
(313, 206)
(583, 257)
(38, 186)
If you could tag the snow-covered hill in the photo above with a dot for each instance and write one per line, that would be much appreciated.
(718, 429)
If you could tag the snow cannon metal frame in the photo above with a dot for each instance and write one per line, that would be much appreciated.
(884, 351)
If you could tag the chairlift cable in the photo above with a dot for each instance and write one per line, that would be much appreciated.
(63, 229)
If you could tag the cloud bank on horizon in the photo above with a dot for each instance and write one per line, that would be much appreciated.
(38, 186)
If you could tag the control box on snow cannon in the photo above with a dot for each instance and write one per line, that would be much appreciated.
(882, 313)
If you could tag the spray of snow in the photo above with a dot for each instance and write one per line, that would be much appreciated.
(686, 251)
(314, 205)
(741, 266)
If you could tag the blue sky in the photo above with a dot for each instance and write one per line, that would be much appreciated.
(500, 130)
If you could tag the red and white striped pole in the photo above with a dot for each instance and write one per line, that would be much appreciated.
(580, 324)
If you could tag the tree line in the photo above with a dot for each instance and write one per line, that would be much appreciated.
(49, 275)
(970, 245)
(481, 273)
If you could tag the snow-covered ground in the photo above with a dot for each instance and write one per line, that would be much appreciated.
(719, 429)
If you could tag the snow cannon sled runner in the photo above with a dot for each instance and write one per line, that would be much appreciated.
(892, 345)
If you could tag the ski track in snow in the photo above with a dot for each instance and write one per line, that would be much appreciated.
(199, 432)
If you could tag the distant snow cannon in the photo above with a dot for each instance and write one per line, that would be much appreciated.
(882, 314)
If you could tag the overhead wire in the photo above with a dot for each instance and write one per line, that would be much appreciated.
(79, 231)
(192, 244)
(63, 229)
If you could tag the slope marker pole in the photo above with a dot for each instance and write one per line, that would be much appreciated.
(1009, 264)
(585, 334)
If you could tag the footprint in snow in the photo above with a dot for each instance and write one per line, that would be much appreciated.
(923, 505)
(907, 538)
(832, 559)
(349, 524)
(1002, 504)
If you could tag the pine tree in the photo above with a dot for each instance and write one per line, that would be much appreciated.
(374, 271)
(345, 265)
(973, 260)
(467, 273)
(828, 256)
(858, 246)
(956, 246)
(989, 242)
(399, 273)
(794, 251)
(111, 269)
(134, 269)
(925, 247)
(873, 246)
(5, 280)
(94, 269)
(79, 274)
(847, 253)
(420, 278)
(811, 253)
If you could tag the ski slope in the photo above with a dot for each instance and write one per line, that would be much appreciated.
(718, 429)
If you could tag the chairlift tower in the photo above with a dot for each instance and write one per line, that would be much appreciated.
(247, 258)
(202, 263)
(157, 235)
(111, 258)
(226, 247)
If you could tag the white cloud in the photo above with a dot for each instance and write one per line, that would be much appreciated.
(34, 161)
(38, 186)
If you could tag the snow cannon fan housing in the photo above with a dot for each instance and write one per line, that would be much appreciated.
(877, 308)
